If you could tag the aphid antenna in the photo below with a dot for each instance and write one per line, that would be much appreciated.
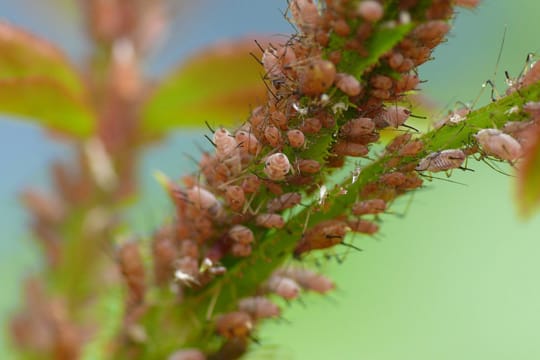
(263, 78)
(256, 58)
(430, 177)
(411, 127)
(259, 45)
(495, 167)
(211, 141)
(209, 126)
(349, 245)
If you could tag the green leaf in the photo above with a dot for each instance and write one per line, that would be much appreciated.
(217, 84)
(38, 82)
(47, 102)
(529, 178)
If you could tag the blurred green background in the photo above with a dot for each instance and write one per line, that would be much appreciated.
(456, 278)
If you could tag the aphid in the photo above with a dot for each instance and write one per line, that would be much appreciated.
(348, 148)
(296, 138)
(277, 166)
(373, 206)
(324, 235)
(406, 66)
(251, 184)
(467, 3)
(395, 60)
(132, 268)
(412, 181)
(530, 75)
(407, 82)
(226, 144)
(363, 226)
(496, 143)
(380, 94)
(237, 324)
(247, 142)
(348, 84)
(393, 116)
(285, 201)
(442, 161)
(335, 57)
(189, 248)
(431, 33)
(532, 108)
(341, 27)
(285, 287)
(273, 135)
(241, 234)
(241, 250)
(203, 199)
(381, 82)
(453, 118)
(235, 197)
(259, 307)
(309, 166)
(305, 14)
(164, 253)
(358, 127)
(316, 77)
(308, 279)
(370, 10)
(270, 221)
(187, 354)
(279, 119)
(398, 142)
(311, 125)
(412, 148)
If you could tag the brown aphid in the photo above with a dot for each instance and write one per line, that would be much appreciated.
(398, 142)
(496, 143)
(164, 252)
(355, 128)
(259, 307)
(279, 119)
(393, 116)
(203, 199)
(187, 354)
(296, 138)
(226, 145)
(440, 9)
(273, 136)
(348, 84)
(363, 226)
(285, 201)
(237, 324)
(393, 179)
(453, 117)
(274, 188)
(373, 206)
(235, 197)
(395, 60)
(335, 161)
(406, 66)
(341, 28)
(277, 166)
(381, 82)
(316, 77)
(412, 148)
(431, 33)
(442, 161)
(305, 14)
(380, 94)
(406, 83)
(348, 148)
(335, 57)
(467, 3)
(240, 250)
(323, 235)
(251, 184)
(132, 268)
(309, 166)
(311, 125)
(189, 248)
(412, 181)
(285, 287)
(241, 234)
(370, 10)
(270, 221)
(307, 279)
(247, 142)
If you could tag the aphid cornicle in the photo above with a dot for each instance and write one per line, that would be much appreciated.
(442, 161)
(373, 206)
(259, 307)
(496, 143)
(270, 221)
(237, 324)
(277, 166)
(283, 286)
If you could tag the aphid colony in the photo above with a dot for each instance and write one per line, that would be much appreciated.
(275, 160)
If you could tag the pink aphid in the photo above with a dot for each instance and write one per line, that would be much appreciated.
(259, 307)
(370, 10)
(235, 197)
(285, 287)
(285, 201)
(453, 118)
(241, 234)
(393, 116)
(277, 166)
(442, 161)
(226, 145)
(203, 199)
(357, 127)
(270, 221)
(296, 138)
(305, 14)
(187, 354)
(247, 142)
(348, 84)
(307, 279)
(496, 143)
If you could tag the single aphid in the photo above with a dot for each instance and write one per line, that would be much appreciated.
(341, 28)
(305, 14)
(270, 221)
(237, 324)
(296, 138)
(235, 197)
(363, 226)
(453, 118)
(407, 82)
(442, 161)
(370, 10)
(259, 307)
(307, 279)
(309, 166)
(431, 33)
(395, 60)
(398, 142)
(285, 201)
(247, 142)
(203, 199)
(412, 148)
(381, 82)
(241, 234)
(277, 166)
(226, 145)
(348, 148)
(324, 235)
(373, 206)
(273, 136)
(393, 116)
(187, 354)
(132, 268)
(358, 127)
(251, 184)
(496, 143)
(241, 250)
(311, 125)
(285, 287)
(316, 77)
(348, 84)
